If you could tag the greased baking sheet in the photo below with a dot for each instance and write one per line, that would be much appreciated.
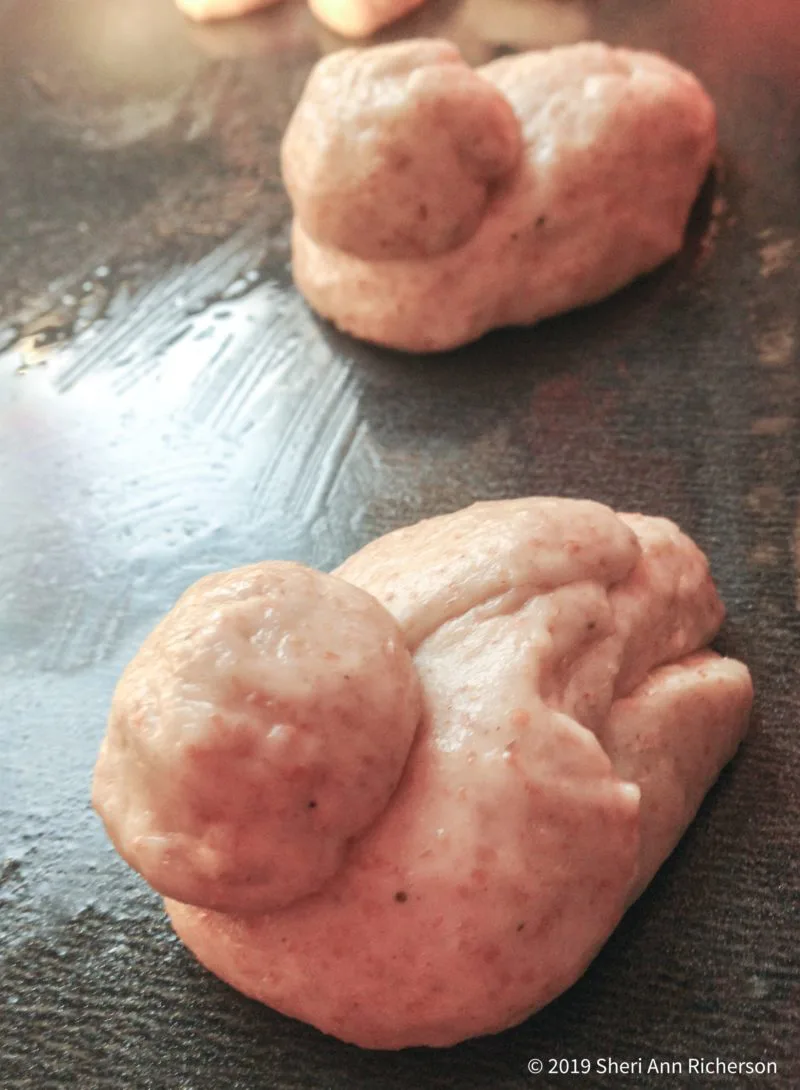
(169, 406)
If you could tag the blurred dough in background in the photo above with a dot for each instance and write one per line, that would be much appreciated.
(352, 18)
(482, 29)
(203, 10)
(360, 18)
(109, 75)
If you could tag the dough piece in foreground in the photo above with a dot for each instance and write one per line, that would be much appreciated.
(556, 733)
(588, 161)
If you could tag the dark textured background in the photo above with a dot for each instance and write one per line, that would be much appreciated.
(168, 406)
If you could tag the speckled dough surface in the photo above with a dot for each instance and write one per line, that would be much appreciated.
(433, 202)
(481, 888)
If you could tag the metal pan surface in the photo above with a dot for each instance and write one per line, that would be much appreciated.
(169, 406)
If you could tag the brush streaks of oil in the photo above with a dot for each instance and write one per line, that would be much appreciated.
(200, 416)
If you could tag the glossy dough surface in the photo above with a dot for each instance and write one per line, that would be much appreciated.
(406, 237)
(570, 723)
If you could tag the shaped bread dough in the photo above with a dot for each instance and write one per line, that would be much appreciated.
(556, 734)
(433, 202)
(352, 18)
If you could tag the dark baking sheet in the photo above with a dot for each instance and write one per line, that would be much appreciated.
(168, 406)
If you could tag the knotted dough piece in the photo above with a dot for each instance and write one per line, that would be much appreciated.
(434, 202)
(533, 765)
(352, 18)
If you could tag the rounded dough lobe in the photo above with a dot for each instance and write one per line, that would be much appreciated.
(392, 152)
(263, 725)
